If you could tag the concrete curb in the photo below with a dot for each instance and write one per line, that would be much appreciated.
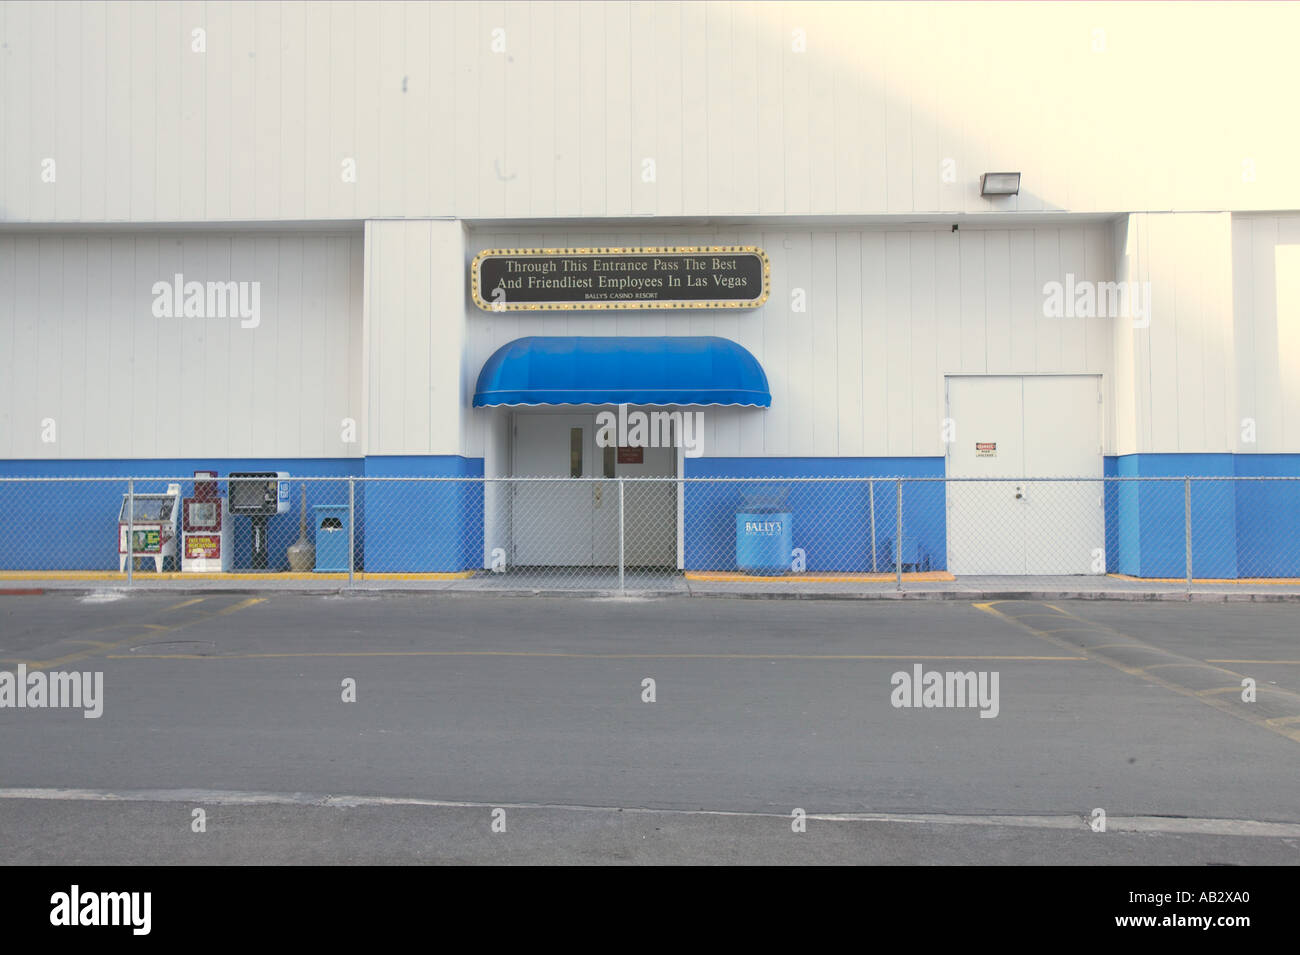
(51, 588)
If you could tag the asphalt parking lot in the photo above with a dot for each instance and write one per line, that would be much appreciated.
(234, 703)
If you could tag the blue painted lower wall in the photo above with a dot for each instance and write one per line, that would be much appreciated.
(423, 526)
(830, 521)
(1239, 528)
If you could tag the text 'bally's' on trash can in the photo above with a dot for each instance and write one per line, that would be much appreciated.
(331, 537)
(763, 536)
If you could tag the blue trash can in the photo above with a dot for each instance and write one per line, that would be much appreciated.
(763, 535)
(331, 537)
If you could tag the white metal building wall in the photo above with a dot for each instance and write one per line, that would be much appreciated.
(1266, 297)
(743, 108)
(79, 344)
(889, 313)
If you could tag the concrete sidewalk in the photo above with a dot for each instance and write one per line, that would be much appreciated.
(637, 582)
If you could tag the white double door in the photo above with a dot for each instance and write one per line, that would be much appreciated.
(575, 522)
(1018, 428)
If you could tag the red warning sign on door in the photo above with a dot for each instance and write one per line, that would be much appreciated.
(986, 449)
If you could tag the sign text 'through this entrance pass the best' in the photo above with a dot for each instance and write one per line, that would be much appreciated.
(729, 276)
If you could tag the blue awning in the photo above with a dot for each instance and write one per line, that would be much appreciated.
(609, 371)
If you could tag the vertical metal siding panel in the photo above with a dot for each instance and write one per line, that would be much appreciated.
(169, 134)
(847, 143)
(1162, 338)
(417, 324)
(192, 80)
(1073, 330)
(259, 348)
(342, 352)
(618, 109)
(229, 367)
(876, 318)
(769, 154)
(642, 108)
(415, 164)
(119, 355)
(848, 343)
(169, 385)
(194, 260)
(516, 153)
(467, 53)
(22, 400)
(343, 99)
(48, 357)
(822, 115)
(9, 361)
(370, 97)
(1243, 329)
(1026, 300)
(592, 61)
(777, 322)
(316, 403)
(143, 124)
(1098, 334)
(42, 131)
(291, 328)
(93, 132)
(217, 64)
(357, 352)
(392, 108)
(871, 117)
(538, 164)
(927, 384)
(997, 300)
(947, 303)
(442, 170)
(290, 165)
(749, 333)
(923, 94)
(1286, 296)
(1188, 385)
(744, 144)
(567, 117)
(898, 357)
(74, 357)
(320, 167)
(725, 323)
(143, 332)
(1268, 384)
(1047, 331)
(795, 105)
(495, 119)
(974, 336)
(719, 136)
(694, 116)
(242, 144)
(801, 399)
(670, 117)
(1219, 347)
(117, 113)
(67, 139)
(898, 113)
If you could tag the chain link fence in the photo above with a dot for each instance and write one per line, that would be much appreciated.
(656, 535)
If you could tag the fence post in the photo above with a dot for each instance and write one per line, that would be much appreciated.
(1187, 520)
(871, 495)
(621, 590)
(898, 539)
(130, 531)
(352, 526)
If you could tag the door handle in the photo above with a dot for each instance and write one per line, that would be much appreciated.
(596, 494)
(1020, 492)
